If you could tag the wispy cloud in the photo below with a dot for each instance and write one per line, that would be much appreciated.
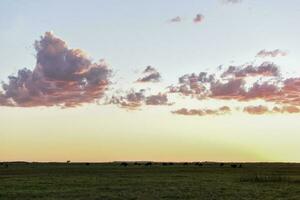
(62, 76)
(265, 69)
(175, 19)
(231, 1)
(150, 74)
(203, 112)
(275, 53)
(260, 109)
(159, 99)
(256, 110)
(133, 100)
(199, 18)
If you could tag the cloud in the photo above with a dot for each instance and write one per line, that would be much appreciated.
(231, 1)
(233, 88)
(260, 110)
(265, 69)
(256, 110)
(275, 53)
(263, 91)
(149, 69)
(199, 18)
(176, 19)
(62, 76)
(286, 109)
(133, 100)
(159, 99)
(150, 75)
(241, 83)
(203, 112)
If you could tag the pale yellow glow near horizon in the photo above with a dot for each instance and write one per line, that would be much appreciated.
(104, 133)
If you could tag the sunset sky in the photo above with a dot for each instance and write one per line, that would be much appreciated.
(172, 80)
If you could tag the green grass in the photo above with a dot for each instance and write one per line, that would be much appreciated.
(112, 181)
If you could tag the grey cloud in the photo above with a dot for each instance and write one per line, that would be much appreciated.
(202, 112)
(198, 18)
(150, 75)
(275, 53)
(62, 76)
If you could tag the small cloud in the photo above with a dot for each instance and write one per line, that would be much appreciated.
(256, 110)
(231, 1)
(151, 75)
(265, 69)
(132, 100)
(159, 99)
(199, 18)
(175, 19)
(275, 53)
(149, 69)
(287, 109)
(203, 112)
(260, 110)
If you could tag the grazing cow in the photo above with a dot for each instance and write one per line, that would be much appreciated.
(87, 164)
(136, 163)
(148, 164)
(124, 164)
(221, 164)
(240, 166)
(233, 165)
(199, 164)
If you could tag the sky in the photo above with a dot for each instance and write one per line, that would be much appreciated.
(98, 81)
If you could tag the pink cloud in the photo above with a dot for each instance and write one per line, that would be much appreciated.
(203, 112)
(275, 53)
(199, 18)
(176, 19)
(150, 75)
(62, 76)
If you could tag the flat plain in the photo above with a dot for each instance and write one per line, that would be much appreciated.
(206, 180)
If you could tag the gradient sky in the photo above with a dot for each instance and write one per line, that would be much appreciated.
(131, 35)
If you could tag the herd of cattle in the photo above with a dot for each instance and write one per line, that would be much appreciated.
(125, 164)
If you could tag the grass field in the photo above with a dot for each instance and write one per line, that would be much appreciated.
(137, 181)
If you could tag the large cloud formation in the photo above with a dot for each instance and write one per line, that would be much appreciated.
(62, 76)
(242, 83)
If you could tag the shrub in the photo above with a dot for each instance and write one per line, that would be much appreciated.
(233, 165)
